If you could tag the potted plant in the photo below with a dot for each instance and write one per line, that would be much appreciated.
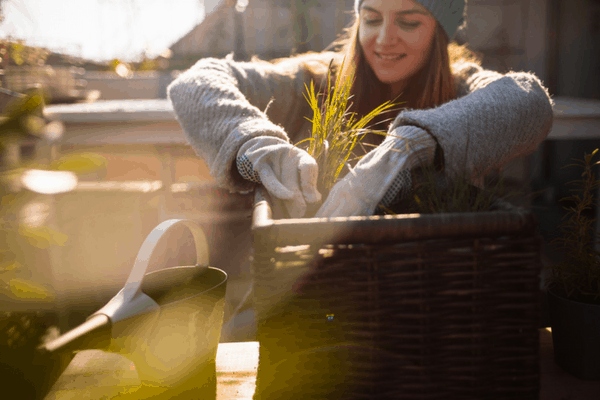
(574, 285)
(438, 303)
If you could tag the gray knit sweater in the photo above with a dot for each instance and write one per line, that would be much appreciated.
(221, 104)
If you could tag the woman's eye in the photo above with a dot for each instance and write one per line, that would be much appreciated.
(372, 21)
(410, 25)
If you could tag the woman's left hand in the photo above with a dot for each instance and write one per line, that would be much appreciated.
(359, 192)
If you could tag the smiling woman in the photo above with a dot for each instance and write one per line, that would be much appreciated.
(243, 118)
(398, 50)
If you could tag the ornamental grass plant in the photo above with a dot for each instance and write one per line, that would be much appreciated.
(323, 284)
(336, 130)
(577, 275)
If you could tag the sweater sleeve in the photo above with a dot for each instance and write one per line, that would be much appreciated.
(221, 104)
(497, 119)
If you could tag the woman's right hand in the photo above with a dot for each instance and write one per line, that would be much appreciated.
(287, 172)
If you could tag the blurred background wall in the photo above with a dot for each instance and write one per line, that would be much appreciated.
(558, 40)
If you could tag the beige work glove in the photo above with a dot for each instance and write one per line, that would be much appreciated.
(287, 172)
(385, 168)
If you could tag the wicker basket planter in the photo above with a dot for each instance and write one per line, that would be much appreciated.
(397, 307)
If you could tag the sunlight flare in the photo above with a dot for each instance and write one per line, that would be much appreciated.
(49, 182)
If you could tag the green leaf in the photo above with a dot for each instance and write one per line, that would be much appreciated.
(10, 266)
(9, 200)
(29, 290)
(79, 163)
(42, 237)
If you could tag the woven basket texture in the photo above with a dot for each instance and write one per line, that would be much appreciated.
(433, 318)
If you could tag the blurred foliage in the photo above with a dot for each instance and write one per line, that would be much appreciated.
(23, 117)
(17, 53)
(145, 64)
(42, 237)
(148, 64)
(22, 246)
(158, 63)
(114, 63)
(119, 67)
(80, 163)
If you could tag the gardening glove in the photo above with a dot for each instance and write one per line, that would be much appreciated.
(287, 172)
(385, 168)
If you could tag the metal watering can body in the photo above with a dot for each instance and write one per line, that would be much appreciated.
(168, 322)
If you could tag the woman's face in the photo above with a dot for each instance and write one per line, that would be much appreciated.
(396, 38)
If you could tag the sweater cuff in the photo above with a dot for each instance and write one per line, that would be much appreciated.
(418, 145)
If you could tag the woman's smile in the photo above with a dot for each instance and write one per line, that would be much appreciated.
(390, 56)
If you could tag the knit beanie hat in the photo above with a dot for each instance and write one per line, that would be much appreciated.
(449, 13)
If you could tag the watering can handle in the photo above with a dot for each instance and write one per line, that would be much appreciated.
(140, 266)
(131, 301)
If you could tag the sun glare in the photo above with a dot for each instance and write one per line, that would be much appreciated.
(49, 182)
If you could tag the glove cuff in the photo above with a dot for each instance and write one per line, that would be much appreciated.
(246, 170)
(401, 185)
(244, 164)
(418, 148)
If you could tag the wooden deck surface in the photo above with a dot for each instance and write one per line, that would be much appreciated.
(97, 375)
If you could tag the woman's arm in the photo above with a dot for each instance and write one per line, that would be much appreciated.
(221, 104)
(499, 118)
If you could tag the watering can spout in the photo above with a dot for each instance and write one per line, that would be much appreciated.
(95, 333)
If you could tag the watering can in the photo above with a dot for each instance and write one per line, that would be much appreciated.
(168, 322)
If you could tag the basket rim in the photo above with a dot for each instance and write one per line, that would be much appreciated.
(383, 229)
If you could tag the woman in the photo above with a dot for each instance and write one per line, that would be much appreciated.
(242, 117)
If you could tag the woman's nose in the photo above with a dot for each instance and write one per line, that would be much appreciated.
(387, 35)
